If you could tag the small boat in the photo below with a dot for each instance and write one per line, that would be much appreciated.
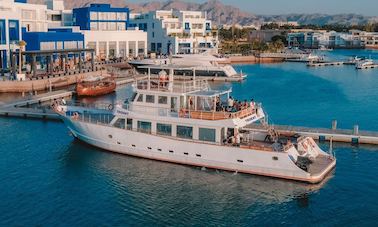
(96, 86)
(367, 63)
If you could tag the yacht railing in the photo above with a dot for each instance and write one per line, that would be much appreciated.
(175, 87)
(192, 114)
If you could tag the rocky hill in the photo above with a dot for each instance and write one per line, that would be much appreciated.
(226, 14)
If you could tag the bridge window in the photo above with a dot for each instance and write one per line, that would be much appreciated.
(185, 132)
(163, 99)
(150, 98)
(164, 129)
(144, 126)
(140, 98)
(207, 134)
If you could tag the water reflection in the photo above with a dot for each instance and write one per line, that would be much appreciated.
(155, 183)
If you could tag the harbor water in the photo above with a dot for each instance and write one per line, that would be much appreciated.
(50, 179)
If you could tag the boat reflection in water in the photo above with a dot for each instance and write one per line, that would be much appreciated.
(151, 184)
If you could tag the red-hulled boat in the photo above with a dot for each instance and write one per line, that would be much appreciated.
(96, 86)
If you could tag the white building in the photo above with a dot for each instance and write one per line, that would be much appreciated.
(106, 31)
(109, 44)
(176, 31)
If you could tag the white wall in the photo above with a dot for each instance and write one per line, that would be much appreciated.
(133, 39)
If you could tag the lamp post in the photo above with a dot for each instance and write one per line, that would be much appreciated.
(12, 58)
(21, 45)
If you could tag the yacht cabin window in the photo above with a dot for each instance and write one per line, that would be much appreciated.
(164, 129)
(120, 123)
(144, 126)
(129, 123)
(163, 100)
(207, 134)
(185, 132)
(150, 98)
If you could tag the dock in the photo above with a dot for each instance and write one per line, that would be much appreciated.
(324, 134)
(37, 99)
(374, 66)
(322, 64)
(33, 113)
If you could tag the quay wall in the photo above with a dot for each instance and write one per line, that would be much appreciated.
(44, 82)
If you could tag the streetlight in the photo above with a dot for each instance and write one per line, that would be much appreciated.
(21, 44)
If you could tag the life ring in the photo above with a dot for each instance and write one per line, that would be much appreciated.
(110, 107)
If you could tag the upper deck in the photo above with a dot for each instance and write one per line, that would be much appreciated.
(172, 86)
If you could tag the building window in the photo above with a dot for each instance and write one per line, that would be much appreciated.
(140, 98)
(47, 45)
(112, 26)
(164, 129)
(112, 16)
(187, 26)
(94, 16)
(153, 25)
(14, 34)
(208, 26)
(185, 132)
(163, 100)
(2, 32)
(94, 26)
(153, 47)
(207, 134)
(153, 34)
(150, 98)
(144, 126)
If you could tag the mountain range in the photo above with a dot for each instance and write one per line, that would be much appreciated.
(220, 13)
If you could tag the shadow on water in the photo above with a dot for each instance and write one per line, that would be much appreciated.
(137, 175)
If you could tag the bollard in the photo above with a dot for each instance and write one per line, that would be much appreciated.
(334, 124)
(355, 130)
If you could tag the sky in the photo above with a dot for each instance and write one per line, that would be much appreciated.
(365, 7)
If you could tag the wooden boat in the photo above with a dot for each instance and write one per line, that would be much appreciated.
(96, 86)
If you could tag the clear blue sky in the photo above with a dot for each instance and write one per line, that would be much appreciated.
(365, 7)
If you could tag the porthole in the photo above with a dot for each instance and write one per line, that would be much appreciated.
(241, 161)
(186, 153)
(119, 143)
(133, 145)
(149, 148)
(159, 149)
(170, 151)
(110, 136)
(275, 158)
(198, 155)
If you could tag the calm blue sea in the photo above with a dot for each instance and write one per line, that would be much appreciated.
(49, 179)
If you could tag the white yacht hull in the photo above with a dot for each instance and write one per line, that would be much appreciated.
(273, 164)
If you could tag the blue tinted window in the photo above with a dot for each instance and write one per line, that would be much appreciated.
(14, 34)
(2, 32)
(187, 26)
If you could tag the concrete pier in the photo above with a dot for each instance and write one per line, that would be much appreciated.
(354, 136)
(320, 64)
(39, 99)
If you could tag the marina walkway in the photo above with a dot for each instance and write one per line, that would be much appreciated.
(324, 134)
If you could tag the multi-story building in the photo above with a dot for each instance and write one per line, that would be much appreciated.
(330, 39)
(175, 31)
(106, 30)
(10, 30)
(369, 40)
